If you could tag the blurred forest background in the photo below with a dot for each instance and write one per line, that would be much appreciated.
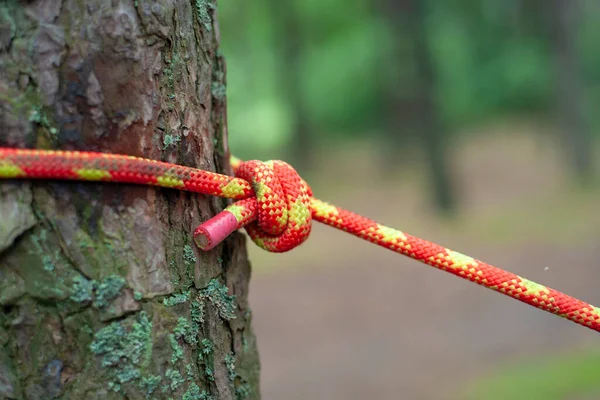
(473, 123)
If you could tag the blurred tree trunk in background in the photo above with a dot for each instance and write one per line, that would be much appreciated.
(289, 40)
(571, 104)
(103, 294)
(532, 18)
(414, 105)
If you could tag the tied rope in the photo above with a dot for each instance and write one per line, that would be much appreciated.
(277, 215)
(277, 208)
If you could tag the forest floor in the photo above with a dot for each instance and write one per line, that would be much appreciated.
(342, 319)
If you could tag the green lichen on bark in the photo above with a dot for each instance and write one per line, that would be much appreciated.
(177, 298)
(107, 290)
(206, 359)
(188, 255)
(150, 384)
(82, 290)
(197, 312)
(175, 379)
(39, 116)
(218, 93)
(241, 387)
(194, 393)
(177, 350)
(243, 391)
(230, 363)
(218, 90)
(123, 351)
(207, 347)
(187, 330)
(218, 296)
(203, 8)
(171, 140)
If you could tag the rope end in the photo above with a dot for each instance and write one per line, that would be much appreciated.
(212, 232)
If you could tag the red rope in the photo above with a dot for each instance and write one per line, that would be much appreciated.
(277, 207)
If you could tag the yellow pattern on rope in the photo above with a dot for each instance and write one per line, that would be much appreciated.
(277, 207)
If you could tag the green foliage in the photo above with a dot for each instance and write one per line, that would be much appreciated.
(486, 69)
(491, 58)
(341, 76)
(548, 378)
(589, 32)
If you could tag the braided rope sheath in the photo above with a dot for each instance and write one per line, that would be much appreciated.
(276, 206)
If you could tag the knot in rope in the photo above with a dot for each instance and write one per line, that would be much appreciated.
(277, 218)
(283, 201)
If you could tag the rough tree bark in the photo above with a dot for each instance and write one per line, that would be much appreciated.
(103, 294)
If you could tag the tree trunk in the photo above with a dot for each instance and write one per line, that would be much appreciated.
(289, 39)
(414, 109)
(103, 294)
(434, 133)
(570, 94)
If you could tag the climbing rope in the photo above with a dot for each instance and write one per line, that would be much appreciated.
(276, 207)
